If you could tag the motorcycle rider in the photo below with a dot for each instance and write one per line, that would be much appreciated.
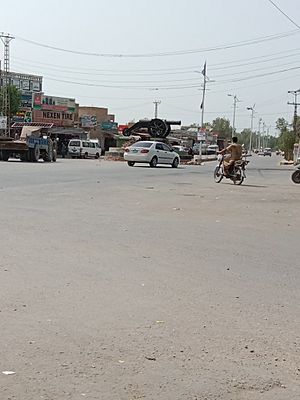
(234, 151)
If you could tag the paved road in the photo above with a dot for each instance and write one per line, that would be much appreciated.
(138, 283)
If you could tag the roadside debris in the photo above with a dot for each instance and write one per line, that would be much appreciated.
(8, 372)
(151, 358)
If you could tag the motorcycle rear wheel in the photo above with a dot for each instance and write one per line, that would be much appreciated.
(296, 176)
(218, 174)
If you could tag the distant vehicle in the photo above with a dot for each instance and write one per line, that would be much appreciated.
(196, 148)
(83, 149)
(212, 149)
(180, 148)
(152, 153)
(267, 151)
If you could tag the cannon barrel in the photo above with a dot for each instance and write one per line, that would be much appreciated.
(173, 122)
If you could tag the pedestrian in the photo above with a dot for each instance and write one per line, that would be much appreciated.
(63, 149)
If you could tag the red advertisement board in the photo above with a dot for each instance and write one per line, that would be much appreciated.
(121, 128)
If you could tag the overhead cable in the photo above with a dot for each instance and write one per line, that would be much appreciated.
(165, 71)
(163, 54)
(283, 13)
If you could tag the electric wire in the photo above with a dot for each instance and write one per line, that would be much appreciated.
(188, 69)
(248, 42)
(21, 64)
(169, 87)
(283, 13)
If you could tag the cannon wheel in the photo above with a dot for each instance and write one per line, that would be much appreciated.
(167, 131)
(126, 132)
(158, 128)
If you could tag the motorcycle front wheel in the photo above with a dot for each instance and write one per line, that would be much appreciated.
(238, 176)
(296, 176)
(240, 181)
(218, 174)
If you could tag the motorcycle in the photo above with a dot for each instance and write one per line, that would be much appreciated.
(296, 175)
(237, 172)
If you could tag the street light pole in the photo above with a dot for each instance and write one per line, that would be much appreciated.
(203, 95)
(264, 139)
(259, 125)
(251, 129)
(235, 100)
(203, 72)
(156, 103)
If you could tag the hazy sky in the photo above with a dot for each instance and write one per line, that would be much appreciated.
(127, 85)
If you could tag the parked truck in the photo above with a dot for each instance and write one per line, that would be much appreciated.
(31, 147)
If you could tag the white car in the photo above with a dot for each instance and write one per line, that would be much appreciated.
(152, 153)
(83, 149)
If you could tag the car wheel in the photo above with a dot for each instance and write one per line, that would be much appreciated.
(97, 156)
(5, 155)
(153, 162)
(130, 163)
(86, 155)
(175, 163)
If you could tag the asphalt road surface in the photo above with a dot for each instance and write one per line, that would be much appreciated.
(122, 283)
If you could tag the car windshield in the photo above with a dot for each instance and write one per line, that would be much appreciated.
(142, 144)
(75, 143)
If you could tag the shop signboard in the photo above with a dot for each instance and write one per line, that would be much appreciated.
(26, 82)
(25, 85)
(26, 100)
(51, 103)
(88, 121)
(22, 116)
(3, 122)
(36, 86)
(201, 135)
(58, 118)
(108, 125)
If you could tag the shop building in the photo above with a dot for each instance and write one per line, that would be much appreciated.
(27, 84)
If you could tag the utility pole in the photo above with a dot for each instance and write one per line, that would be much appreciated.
(268, 136)
(251, 128)
(203, 95)
(263, 139)
(6, 39)
(202, 107)
(259, 138)
(235, 100)
(295, 104)
(156, 103)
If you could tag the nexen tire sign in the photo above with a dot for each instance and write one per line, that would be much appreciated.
(59, 111)
(57, 118)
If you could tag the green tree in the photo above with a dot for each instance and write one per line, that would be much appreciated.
(282, 125)
(244, 138)
(287, 138)
(222, 126)
(15, 99)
